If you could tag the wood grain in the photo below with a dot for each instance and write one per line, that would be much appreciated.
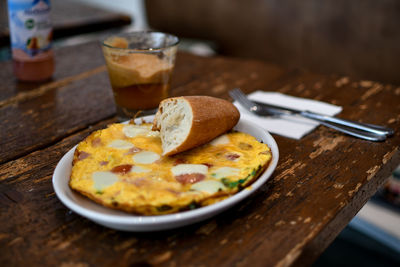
(320, 183)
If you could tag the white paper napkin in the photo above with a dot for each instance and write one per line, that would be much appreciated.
(289, 126)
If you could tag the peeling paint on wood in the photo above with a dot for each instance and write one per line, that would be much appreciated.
(289, 194)
(126, 244)
(290, 258)
(128, 253)
(289, 172)
(207, 229)
(217, 89)
(366, 84)
(163, 257)
(338, 186)
(371, 172)
(363, 107)
(326, 144)
(373, 91)
(338, 195)
(351, 192)
(388, 156)
(342, 81)
(279, 223)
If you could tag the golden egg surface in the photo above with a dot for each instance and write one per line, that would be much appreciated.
(121, 167)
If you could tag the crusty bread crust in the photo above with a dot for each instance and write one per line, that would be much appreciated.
(211, 118)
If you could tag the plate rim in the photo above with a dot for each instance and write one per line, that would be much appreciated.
(144, 220)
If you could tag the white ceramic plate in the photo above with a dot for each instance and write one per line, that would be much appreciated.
(124, 221)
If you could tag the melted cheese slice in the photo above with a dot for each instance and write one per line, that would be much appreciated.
(137, 130)
(225, 172)
(120, 144)
(221, 140)
(146, 157)
(209, 186)
(189, 168)
(134, 130)
(103, 179)
(138, 169)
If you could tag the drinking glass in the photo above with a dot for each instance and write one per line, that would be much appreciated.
(140, 66)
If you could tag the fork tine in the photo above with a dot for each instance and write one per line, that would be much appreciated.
(235, 94)
(243, 97)
(239, 96)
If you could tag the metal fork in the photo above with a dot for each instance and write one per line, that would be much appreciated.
(361, 130)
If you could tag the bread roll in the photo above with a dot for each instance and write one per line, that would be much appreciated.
(189, 121)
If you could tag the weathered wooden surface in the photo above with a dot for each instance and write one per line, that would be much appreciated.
(320, 183)
(71, 18)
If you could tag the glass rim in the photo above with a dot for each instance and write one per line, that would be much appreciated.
(127, 34)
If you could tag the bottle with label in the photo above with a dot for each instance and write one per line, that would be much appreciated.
(31, 39)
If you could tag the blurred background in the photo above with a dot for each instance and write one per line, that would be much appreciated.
(359, 39)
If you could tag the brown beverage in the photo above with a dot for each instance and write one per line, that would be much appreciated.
(139, 79)
(149, 95)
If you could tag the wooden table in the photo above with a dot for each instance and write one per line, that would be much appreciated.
(320, 183)
(71, 18)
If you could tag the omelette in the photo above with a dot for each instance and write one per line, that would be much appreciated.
(121, 167)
